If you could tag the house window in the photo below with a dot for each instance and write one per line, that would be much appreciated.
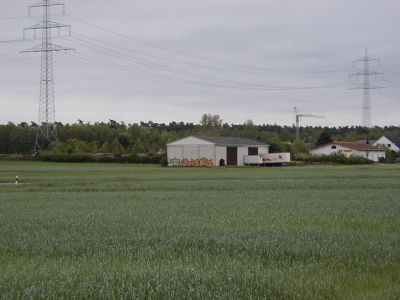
(389, 145)
(334, 147)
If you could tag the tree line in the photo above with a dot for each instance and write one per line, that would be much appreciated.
(150, 137)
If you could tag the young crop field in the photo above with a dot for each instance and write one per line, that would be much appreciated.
(97, 231)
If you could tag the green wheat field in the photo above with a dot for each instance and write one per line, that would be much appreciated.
(98, 231)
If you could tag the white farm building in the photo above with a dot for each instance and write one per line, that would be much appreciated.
(210, 151)
(348, 149)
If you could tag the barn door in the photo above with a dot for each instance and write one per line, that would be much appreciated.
(231, 156)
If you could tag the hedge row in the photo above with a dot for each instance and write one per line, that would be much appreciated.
(334, 158)
(132, 159)
(86, 157)
(162, 159)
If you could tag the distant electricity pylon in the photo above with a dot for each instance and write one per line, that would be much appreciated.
(366, 87)
(47, 126)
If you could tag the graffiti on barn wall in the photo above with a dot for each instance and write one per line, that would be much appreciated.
(204, 162)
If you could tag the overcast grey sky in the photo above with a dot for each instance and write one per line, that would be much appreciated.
(175, 60)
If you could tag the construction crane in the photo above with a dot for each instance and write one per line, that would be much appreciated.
(298, 116)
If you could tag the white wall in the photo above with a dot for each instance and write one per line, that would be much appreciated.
(327, 150)
(220, 152)
(174, 152)
(207, 152)
(263, 149)
(177, 153)
(191, 152)
(386, 143)
(241, 152)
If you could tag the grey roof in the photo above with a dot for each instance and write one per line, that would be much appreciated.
(231, 141)
(394, 139)
(371, 142)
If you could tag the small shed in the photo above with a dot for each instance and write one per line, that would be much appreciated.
(348, 149)
(212, 151)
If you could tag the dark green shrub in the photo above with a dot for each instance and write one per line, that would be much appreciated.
(163, 160)
(87, 157)
(16, 157)
(105, 159)
(62, 157)
(145, 159)
(156, 159)
(337, 158)
(359, 160)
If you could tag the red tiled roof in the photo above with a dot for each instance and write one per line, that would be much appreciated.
(353, 145)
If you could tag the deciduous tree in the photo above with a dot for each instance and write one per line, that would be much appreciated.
(324, 138)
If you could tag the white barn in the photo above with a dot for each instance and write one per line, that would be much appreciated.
(209, 151)
(348, 149)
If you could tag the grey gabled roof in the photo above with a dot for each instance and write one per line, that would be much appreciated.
(231, 141)
(217, 141)
(394, 139)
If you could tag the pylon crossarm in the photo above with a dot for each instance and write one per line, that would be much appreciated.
(51, 47)
(366, 59)
(49, 24)
(370, 87)
(46, 3)
(367, 72)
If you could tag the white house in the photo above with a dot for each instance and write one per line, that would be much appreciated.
(209, 151)
(389, 142)
(348, 149)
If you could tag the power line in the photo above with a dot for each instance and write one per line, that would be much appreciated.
(242, 85)
(267, 71)
(196, 36)
(12, 18)
(202, 58)
(390, 70)
(11, 41)
(19, 59)
(88, 60)
(384, 93)
(397, 86)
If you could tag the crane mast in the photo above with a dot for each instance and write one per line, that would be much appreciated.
(298, 116)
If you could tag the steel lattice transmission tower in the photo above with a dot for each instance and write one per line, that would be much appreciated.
(366, 87)
(47, 125)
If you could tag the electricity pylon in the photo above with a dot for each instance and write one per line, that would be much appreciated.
(366, 87)
(298, 115)
(47, 124)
